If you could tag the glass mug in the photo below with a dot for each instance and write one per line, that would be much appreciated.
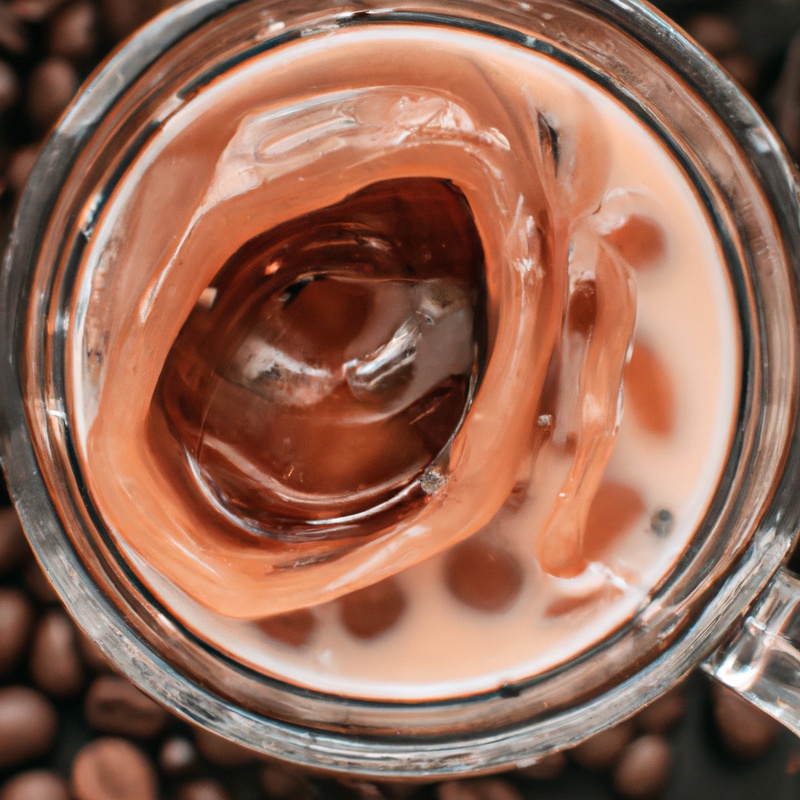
(77, 304)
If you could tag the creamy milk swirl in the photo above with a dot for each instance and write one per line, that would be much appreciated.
(423, 369)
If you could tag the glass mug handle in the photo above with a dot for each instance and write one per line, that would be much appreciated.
(761, 660)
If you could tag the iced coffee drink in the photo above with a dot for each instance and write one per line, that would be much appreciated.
(423, 368)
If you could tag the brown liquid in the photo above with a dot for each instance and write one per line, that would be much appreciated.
(333, 358)
(333, 364)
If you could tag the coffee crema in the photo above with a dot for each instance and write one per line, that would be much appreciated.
(422, 370)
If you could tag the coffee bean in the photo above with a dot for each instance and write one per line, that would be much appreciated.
(56, 666)
(602, 750)
(16, 624)
(649, 392)
(362, 790)
(9, 86)
(643, 768)
(93, 657)
(714, 32)
(482, 575)
(28, 724)
(294, 628)
(220, 751)
(112, 769)
(178, 756)
(13, 38)
(368, 790)
(35, 10)
(282, 782)
(203, 789)
(614, 509)
(51, 86)
(793, 759)
(371, 611)
(17, 176)
(546, 768)
(39, 584)
(746, 732)
(640, 240)
(36, 784)
(114, 705)
(13, 545)
(122, 17)
(787, 99)
(398, 791)
(743, 68)
(72, 32)
(663, 713)
(480, 789)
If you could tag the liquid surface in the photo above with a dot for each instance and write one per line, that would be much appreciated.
(331, 360)
(422, 390)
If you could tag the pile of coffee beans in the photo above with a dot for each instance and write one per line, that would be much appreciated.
(47, 49)
(72, 728)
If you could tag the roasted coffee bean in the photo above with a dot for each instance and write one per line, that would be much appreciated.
(746, 732)
(546, 768)
(281, 782)
(16, 625)
(13, 38)
(793, 759)
(643, 768)
(649, 391)
(663, 713)
(602, 750)
(56, 666)
(362, 790)
(72, 32)
(113, 769)
(614, 510)
(92, 655)
(122, 17)
(787, 99)
(398, 791)
(17, 176)
(367, 790)
(480, 789)
(35, 10)
(9, 86)
(640, 240)
(203, 789)
(714, 32)
(36, 784)
(373, 610)
(482, 575)
(39, 584)
(178, 756)
(294, 628)
(114, 705)
(220, 751)
(51, 86)
(743, 68)
(28, 724)
(13, 546)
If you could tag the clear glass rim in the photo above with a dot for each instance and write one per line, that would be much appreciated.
(400, 756)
